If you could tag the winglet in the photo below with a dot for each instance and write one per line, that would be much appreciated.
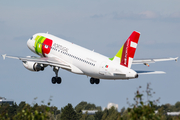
(176, 59)
(4, 56)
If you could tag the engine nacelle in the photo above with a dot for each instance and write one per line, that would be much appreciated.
(32, 66)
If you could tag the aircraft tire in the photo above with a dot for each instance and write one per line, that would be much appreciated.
(92, 80)
(97, 81)
(53, 80)
(58, 80)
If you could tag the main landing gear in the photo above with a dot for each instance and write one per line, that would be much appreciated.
(94, 80)
(56, 79)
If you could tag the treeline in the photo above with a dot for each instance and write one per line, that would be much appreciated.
(139, 110)
(41, 112)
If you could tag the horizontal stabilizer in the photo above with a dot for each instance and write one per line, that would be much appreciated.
(150, 72)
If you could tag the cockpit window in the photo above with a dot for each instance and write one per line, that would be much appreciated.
(31, 38)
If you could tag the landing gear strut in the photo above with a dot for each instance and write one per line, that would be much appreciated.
(56, 79)
(94, 80)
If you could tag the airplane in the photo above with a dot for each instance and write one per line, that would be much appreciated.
(58, 53)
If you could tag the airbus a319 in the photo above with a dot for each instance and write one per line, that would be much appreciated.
(59, 53)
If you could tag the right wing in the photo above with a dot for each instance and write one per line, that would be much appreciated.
(147, 61)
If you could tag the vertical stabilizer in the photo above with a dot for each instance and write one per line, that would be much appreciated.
(126, 54)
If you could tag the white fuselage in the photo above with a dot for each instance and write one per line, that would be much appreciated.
(88, 62)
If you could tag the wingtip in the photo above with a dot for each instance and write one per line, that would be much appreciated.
(4, 56)
(176, 59)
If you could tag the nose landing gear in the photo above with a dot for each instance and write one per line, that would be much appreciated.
(56, 79)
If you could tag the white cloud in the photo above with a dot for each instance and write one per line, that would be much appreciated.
(175, 15)
(142, 15)
(148, 14)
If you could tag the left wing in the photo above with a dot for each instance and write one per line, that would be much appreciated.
(147, 61)
(42, 60)
(52, 61)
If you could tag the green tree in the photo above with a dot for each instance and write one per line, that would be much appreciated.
(12, 110)
(110, 114)
(21, 106)
(84, 117)
(90, 117)
(141, 110)
(85, 106)
(68, 113)
(35, 112)
(26, 112)
(98, 115)
(177, 106)
(4, 111)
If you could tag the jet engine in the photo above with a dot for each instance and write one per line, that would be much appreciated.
(32, 66)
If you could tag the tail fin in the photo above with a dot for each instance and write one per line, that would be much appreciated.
(126, 54)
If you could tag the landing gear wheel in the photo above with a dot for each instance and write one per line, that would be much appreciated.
(58, 80)
(92, 80)
(97, 81)
(53, 80)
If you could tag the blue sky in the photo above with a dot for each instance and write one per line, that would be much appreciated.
(101, 25)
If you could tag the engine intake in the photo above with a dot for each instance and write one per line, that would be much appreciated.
(32, 66)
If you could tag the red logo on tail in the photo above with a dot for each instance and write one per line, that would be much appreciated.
(129, 48)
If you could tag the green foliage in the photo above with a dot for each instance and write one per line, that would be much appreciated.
(24, 111)
(86, 106)
(141, 109)
(111, 114)
(68, 113)
(91, 117)
(98, 115)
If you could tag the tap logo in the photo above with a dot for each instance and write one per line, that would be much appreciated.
(106, 66)
(42, 45)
